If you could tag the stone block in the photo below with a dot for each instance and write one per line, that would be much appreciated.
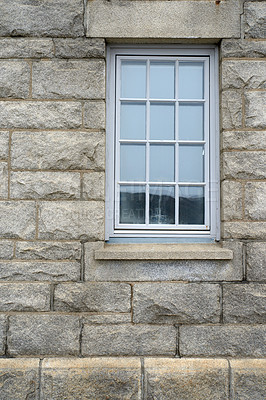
(58, 150)
(246, 140)
(45, 185)
(43, 335)
(94, 114)
(244, 230)
(255, 116)
(238, 74)
(256, 261)
(93, 186)
(3, 180)
(128, 340)
(248, 379)
(231, 200)
(244, 165)
(48, 250)
(231, 109)
(186, 379)
(17, 219)
(79, 48)
(26, 48)
(223, 341)
(255, 205)
(93, 297)
(24, 297)
(243, 48)
(40, 115)
(6, 250)
(237, 247)
(91, 378)
(71, 220)
(3, 329)
(180, 303)
(104, 318)
(62, 79)
(43, 18)
(19, 379)
(4, 143)
(14, 79)
(244, 303)
(255, 20)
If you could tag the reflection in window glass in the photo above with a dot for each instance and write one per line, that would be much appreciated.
(162, 80)
(133, 120)
(132, 162)
(162, 124)
(133, 79)
(191, 205)
(190, 80)
(162, 163)
(162, 205)
(132, 204)
(191, 163)
(191, 121)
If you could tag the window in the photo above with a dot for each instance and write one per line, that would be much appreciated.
(162, 142)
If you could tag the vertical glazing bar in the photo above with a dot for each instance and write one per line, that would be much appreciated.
(207, 141)
(147, 138)
(176, 146)
(117, 137)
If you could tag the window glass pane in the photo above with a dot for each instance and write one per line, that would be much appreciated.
(190, 82)
(191, 205)
(191, 163)
(132, 204)
(162, 80)
(191, 121)
(133, 120)
(162, 124)
(132, 162)
(162, 163)
(162, 205)
(133, 79)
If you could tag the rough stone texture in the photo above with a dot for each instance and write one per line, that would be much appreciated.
(57, 150)
(256, 261)
(43, 18)
(17, 219)
(40, 115)
(19, 379)
(71, 220)
(255, 109)
(4, 141)
(24, 297)
(104, 319)
(243, 48)
(25, 48)
(93, 297)
(255, 19)
(93, 186)
(43, 335)
(243, 74)
(114, 340)
(244, 230)
(3, 180)
(94, 114)
(68, 79)
(186, 379)
(244, 140)
(255, 205)
(91, 378)
(244, 165)
(244, 303)
(169, 303)
(231, 198)
(3, 328)
(231, 109)
(248, 379)
(48, 250)
(45, 185)
(239, 253)
(79, 48)
(6, 250)
(14, 79)
(224, 341)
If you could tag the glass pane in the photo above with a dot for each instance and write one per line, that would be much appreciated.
(162, 80)
(133, 79)
(162, 205)
(132, 162)
(191, 205)
(133, 120)
(132, 204)
(162, 125)
(191, 122)
(191, 80)
(162, 163)
(191, 163)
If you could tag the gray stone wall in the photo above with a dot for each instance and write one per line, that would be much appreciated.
(76, 327)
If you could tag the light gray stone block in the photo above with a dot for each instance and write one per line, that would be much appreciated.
(3, 180)
(246, 140)
(79, 48)
(6, 250)
(93, 186)
(237, 74)
(94, 114)
(255, 19)
(4, 142)
(25, 48)
(17, 219)
(170, 303)
(244, 230)
(244, 165)
(24, 297)
(93, 297)
(243, 48)
(3, 329)
(255, 204)
(255, 110)
(48, 250)
(256, 261)
(231, 200)
(248, 379)
(45, 185)
(231, 109)
(14, 79)
(122, 340)
(104, 318)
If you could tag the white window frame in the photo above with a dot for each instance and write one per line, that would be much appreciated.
(211, 229)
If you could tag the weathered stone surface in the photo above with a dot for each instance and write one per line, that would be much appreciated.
(17, 219)
(45, 185)
(93, 186)
(25, 48)
(79, 48)
(255, 109)
(244, 165)
(186, 379)
(256, 261)
(231, 198)
(43, 18)
(104, 319)
(94, 114)
(58, 150)
(244, 230)
(14, 79)
(114, 340)
(68, 79)
(248, 379)
(180, 303)
(231, 341)
(19, 379)
(3, 180)
(48, 250)
(3, 328)
(244, 140)
(244, 303)
(40, 115)
(31, 334)
(6, 250)
(231, 109)
(71, 220)
(243, 48)
(40, 271)
(4, 141)
(237, 74)
(255, 204)
(91, 378)
(255, 19)
(24, 297)
(93, 297)
(237, 247)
